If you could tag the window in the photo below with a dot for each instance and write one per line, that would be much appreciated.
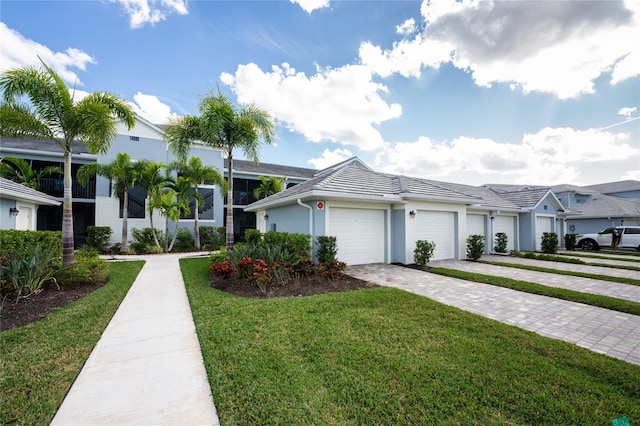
(134, 138)
(136, 207)
(206, 206)
(632, 230)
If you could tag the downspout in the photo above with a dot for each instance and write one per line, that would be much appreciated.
(310, 223)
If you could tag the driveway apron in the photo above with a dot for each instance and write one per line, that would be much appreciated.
(601, 330)
(584, 285)
(147, 367)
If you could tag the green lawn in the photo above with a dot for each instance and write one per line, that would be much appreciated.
(384, 356)
(40, 361)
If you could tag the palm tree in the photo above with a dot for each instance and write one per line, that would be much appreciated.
(154, 181)
(173, 202)
(198, 174)
(125, 174)
(222, 125)
(53, 114)
(269, 186)
(19, 170)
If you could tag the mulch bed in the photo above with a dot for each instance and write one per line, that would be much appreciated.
(307, 286)
(37, 306)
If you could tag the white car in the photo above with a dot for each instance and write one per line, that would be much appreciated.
(629, 238)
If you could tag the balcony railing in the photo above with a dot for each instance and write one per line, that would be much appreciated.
(55, 188)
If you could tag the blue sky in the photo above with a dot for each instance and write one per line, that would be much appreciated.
(537, 92)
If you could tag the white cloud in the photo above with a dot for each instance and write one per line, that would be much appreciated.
(341, 105)
(627, 112)
(407, 27)
(311, 5)
(16, 51)
(150, 108)
(548, 157)
(330, 157)
(557, 47)
(143, 12)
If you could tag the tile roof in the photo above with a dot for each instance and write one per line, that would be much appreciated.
(15, 190)
(614, 187)
(41, 145)
(269, 169)
(527, 199)
(608, 206)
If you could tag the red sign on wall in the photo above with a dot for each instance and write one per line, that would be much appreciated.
(320, 205)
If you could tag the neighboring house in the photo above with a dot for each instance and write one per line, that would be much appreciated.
(94, 204)
(621, 189)
(20, 204)
(246, 178)
(378, 217)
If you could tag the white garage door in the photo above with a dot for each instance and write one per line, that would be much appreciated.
(438, 227)
(359, 234)
(475, 224)
(543, 224)
(505, 224)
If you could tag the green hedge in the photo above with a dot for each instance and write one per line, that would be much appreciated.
(13, 242)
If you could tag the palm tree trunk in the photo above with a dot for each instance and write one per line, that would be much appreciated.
(125, 224)
(153, 230)
(196, 226)
(67, 213)
(229, 230)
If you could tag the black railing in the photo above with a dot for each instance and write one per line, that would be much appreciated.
(135, 208)
(55, 188)
(206, 208)
(243, 198)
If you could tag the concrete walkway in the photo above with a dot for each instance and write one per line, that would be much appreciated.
(147, 368)
(584, 285)
(601, 330)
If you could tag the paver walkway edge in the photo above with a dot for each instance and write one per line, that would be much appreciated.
(147, 367)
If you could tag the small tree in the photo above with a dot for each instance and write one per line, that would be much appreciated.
(549, 242)
(475, 246)
(423, 252)
(327, 248)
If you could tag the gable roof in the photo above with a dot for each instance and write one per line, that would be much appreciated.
(15, 191)
(606, 206)
(353, 162)
(531, 198)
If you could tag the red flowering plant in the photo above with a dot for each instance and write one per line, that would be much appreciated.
(224, 270)
(245, 267)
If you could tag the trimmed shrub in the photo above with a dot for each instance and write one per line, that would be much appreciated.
(98, 238)
(423, 252)
(327, 248)
(252, 236)
(143, 242)
(501, 242)
(298, 244)
(212, 238)
(475, 247)
(549, 242)
(570, 241)
(184, 241)
(87, 268)
(20, 243)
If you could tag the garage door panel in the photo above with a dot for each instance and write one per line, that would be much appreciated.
(505, 224)
(438, 227)
(543, 224)
(475, 224)
(360, 234)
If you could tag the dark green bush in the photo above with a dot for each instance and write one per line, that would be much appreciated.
(252, 236)
(184, 241)
(549, 242)
(20, 243)
(475, 247)
(143, 242)
(98, 238)
(219, 256)
(87, 268)
(423, 252)
(327, 248)
(570, 241)
(212, 238)
(298, 244)
(501, 242)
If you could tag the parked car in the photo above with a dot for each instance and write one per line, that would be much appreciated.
(629, 238)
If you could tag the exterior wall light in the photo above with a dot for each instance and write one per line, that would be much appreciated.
(412, 213)
(266, 217)
(13, 211)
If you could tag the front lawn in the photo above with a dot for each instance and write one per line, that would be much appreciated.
(40, 361)
(384, 356)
